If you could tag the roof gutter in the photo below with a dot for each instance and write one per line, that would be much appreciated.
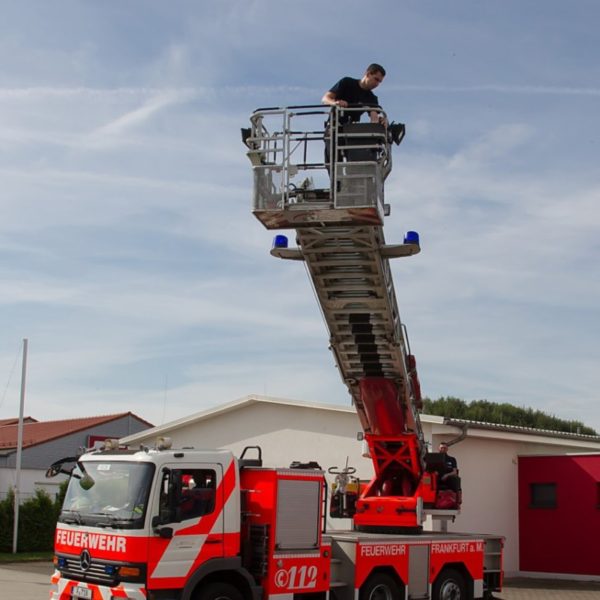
(463, 434)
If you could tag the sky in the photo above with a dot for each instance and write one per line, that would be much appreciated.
(129, 256)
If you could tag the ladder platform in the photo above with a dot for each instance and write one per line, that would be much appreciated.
(305, 215)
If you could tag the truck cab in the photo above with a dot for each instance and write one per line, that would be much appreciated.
(139, 520)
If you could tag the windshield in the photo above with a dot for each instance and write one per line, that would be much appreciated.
(108, 494)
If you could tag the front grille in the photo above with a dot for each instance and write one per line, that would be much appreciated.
(96, 573)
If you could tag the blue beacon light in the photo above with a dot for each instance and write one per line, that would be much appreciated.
(411, 237)
(280, 241)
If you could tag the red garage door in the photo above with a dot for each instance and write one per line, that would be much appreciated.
(559, 514)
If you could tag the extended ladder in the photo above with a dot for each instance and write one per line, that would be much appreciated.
(336, 205)
(339, 236)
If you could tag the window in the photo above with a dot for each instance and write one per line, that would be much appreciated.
(108, 493)
(187, 494)
(543, 495)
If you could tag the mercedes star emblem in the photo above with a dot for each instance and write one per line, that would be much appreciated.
(85, 560)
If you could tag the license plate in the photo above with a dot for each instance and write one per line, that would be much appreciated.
(81, 592)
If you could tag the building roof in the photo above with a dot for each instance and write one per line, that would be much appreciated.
(509, 431)
(38, 432)
(15, 420)
(231, 407)
(520, 429)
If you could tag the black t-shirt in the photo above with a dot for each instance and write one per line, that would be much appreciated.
(450, 463)
(349, 89)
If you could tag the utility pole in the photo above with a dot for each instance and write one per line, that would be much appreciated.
(19, 450)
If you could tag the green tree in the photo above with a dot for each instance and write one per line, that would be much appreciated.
(503, 414)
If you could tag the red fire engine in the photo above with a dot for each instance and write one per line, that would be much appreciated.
(179, 524)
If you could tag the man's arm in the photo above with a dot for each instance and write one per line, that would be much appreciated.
(454, 470)
(453, 473)
(377, 118)
(330, 99)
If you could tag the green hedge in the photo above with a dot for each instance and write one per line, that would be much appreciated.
(37, 521)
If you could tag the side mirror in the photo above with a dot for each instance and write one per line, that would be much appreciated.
(58, 467)
(53, 471)
(163, 532)
(166, 533)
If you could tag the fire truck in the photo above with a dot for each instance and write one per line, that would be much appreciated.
(162, 523)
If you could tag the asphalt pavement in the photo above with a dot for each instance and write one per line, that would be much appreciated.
(549, 589)
(25, 581)
(31, 581)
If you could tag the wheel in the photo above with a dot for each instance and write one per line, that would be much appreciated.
(218, 591)
(380, 587)
(450, 585)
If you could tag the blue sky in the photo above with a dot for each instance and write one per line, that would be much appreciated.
(129, 255)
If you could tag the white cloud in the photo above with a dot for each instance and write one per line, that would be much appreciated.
(502, 89)
(140, 115)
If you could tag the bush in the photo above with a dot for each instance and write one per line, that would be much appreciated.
(37, 521)
(6, 521)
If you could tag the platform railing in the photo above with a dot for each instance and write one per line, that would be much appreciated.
(307, 160)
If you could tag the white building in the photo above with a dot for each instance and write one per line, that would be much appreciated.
(296, 431)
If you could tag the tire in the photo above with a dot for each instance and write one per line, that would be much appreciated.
(450, 585)
(218, 591)
(380, 586)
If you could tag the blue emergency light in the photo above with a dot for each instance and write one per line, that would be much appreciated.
(411, 237)
(280, 241)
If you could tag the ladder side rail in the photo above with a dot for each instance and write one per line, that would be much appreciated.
(404, 350)
(400, 344)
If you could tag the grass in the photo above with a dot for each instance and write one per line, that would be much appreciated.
(9, 557)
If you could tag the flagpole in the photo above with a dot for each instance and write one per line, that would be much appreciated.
(19, 449)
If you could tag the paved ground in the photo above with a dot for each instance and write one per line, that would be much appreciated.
(25, 581)
(31, 581)
(549, 589)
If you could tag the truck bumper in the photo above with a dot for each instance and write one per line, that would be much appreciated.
(63, 589)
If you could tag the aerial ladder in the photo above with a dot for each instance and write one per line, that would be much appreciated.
(334, 200)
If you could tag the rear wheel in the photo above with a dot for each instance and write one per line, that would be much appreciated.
(218, 591)
(450, 585)
(380, 586)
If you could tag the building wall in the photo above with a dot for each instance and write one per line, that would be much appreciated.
(489, 483)
(284, 432)
(564, 538)
(31, 479)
